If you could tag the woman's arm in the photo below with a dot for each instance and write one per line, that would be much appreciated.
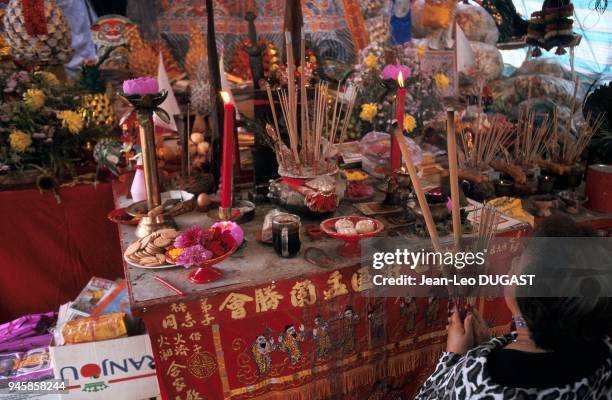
(460, 340)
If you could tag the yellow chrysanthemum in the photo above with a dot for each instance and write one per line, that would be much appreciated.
(371, 61)
(442, 81)
(368, 111)
(20, 141)
(420, 51)
(71, 120)
(49, 77)
(409, 123)
(34, 98)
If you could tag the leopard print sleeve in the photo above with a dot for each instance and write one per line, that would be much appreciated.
(438, 383)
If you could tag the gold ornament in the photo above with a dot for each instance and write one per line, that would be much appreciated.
(52, 47)
(197, 50)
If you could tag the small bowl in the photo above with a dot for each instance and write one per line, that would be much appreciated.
(120, 216)
(350, 248)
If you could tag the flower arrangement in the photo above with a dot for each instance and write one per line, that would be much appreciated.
(41, 124)
(195, 245)
(424, 91)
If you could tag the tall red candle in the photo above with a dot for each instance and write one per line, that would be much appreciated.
(228, 158)
(396, 158)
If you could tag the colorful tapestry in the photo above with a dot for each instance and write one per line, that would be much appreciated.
(310, 337)
(335, 28)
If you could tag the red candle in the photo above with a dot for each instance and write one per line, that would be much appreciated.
(228, 157)
(396, 158)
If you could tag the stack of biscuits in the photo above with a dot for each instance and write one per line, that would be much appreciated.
(150, 251)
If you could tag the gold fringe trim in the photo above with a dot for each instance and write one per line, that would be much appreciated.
(361, 376)
(407, 362)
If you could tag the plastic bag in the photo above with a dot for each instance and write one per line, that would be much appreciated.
(543, 66)
(477, 24)
(92, 329)
(488, 60)
(377, 153)
(556, 89)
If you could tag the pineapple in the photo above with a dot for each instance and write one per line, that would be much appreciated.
(97, 110)
(143, 59)
(46, 43)
(197, 50)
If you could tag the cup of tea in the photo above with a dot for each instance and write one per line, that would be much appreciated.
(286, 235)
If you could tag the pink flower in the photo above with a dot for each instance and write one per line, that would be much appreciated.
(190, 237)
(193, 256)
(141, 86)
(392, 71)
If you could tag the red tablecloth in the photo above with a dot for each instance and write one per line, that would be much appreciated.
(48, 251)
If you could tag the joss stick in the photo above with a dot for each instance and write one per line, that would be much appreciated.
(271, 101)
(304, 102)
(431, 226)
(453, 175)
(292, 96)
(347, 117)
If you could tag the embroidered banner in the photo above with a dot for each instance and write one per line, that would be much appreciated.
(308, 337)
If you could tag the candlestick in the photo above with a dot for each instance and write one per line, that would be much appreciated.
(399, 112)
(228, 157)
(453, 175)
(418, 190)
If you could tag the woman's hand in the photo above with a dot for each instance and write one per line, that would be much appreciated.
(460, 333)
(481, 329)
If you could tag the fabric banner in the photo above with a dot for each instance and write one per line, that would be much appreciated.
(309, 337)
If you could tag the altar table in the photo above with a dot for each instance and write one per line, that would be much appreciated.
(275, 328)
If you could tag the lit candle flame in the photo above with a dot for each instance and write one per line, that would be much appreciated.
(400, 79)
(226, 97)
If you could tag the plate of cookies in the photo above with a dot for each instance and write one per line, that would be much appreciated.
(150, 251)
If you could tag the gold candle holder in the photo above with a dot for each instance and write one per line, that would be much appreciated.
(145, 106)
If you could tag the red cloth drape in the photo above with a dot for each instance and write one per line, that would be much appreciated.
(49, 251)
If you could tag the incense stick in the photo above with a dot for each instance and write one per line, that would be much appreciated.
(453, 176)
(416, 184)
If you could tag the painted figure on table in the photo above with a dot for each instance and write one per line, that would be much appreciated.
(399, 23)
(376, 319)
(431, 313)
(289, 342)
(321, 337)
(408, 312)
(262, 349)
(349, 322)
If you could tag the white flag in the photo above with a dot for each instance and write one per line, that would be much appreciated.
(465, 57)
(170, 105)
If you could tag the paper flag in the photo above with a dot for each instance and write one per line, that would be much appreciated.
(170, 105)
(465, 56)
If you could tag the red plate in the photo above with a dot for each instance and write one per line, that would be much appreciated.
(205, 272)
(351, 246)
(119, 216)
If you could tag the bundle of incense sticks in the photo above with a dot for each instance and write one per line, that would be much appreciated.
(487, 219)
(531, 141)
(306, 140)
(481, 147)
(572, 147)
